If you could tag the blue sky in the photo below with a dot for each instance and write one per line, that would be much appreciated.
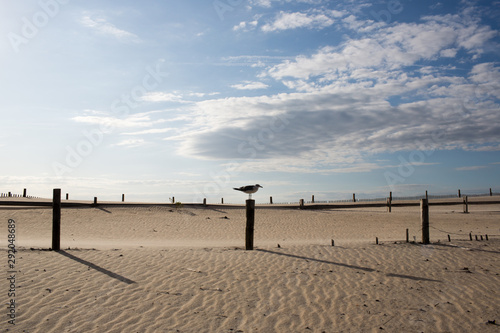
(156, 99)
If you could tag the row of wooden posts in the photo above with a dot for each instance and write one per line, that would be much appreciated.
(250, 221)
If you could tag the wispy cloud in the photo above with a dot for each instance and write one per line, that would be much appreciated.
(102, 26)
(471, 168)
(249, 85)
(309, 20)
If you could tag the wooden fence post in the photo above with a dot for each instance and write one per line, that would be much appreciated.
(204, 201)
(312, 198)
(491, 193)
(56, 220)
(466, 205)
(354, 197)
(222, 200)
(390, 196)
(459, 194)
(123, 197)
(301, 203)
(95, 201)
(407, 235)
(250, 210)
(24, 193)
(424, 215)
(271, 200)
(67, 196)
(389, 208)
(426, 195)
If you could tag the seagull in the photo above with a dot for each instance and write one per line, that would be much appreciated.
(249, 189)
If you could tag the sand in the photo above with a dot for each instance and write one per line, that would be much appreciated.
(161, 269)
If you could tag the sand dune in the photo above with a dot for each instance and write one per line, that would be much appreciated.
(159, 269)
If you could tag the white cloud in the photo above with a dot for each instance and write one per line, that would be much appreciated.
(248, 85)
(131, 143)
(471, 168)
(150, 131)
(101, 26)
(110, 122)
(162, 97)
(286, 21)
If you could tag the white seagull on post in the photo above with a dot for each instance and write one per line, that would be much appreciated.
(249, 189)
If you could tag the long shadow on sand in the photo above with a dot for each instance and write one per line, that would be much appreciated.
(318, 260)
(366, 269)
(97, 268)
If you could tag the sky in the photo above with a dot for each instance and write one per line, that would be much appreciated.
(188, 99)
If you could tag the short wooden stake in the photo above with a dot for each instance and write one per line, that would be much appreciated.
(24, 193)
(301, 203)
(389, 205)
(449, 238)
(312, 199)
(491, 193)
(390, 196)
(426, 195)
(123, 197)
(67, 196)
(481, 237)
(466, 205)
(470, 235)
(56, 220)
(333, 242)
(354, 197)
(10, 194)
(250, 212)
(271, 200)
(424, 215)
(204, 201)
(407, 235)
(476, 237)
(486, 237)
(459, 194)
(222, 200)
(376, 240)
(95, 201)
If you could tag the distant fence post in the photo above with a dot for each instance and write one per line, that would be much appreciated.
(24, 193)
(123, 197)
(204, 201)
(354, 197)
(271, 200)
(466, 205)
(250, 210)
(312, 198)
(459, 194)
(426, 195)
(222, 200)
(389, 208)
(56, 220)
(390, 196)
(95, 201)
(424, 215)
(10, 194)
(301, 203)
(491, 193)
(67, 196)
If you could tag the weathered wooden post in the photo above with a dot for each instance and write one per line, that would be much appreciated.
(204, 201)
(424, 214)
(459, 194)
(24, 193)
(354, 197)
(466, 205)
(301, 203)
(67, 196)
(390, 195)
(123, 197)
(10, 194)
(426, 195)
(95, 201)
(389, 208)
(250, 207)
(491, 193)
(56, 220)
(222, 200)
(407, 235)
(271, 200)
(312, 199)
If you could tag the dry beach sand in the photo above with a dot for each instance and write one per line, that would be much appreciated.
(162, 269)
